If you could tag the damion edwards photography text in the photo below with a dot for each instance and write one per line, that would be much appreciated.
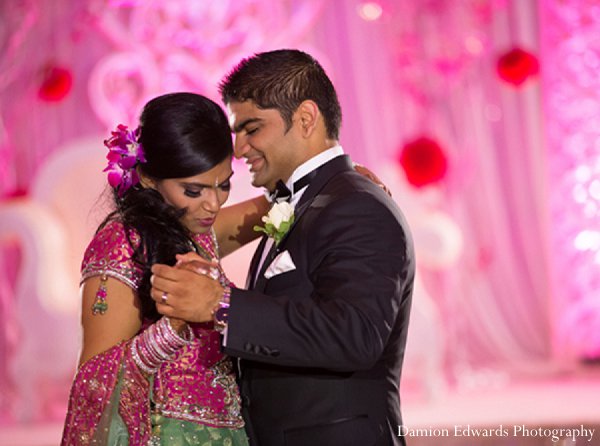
(518, 430)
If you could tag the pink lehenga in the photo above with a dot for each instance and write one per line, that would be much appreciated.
(191, 399)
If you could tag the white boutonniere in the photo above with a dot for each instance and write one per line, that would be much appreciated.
(278, 221)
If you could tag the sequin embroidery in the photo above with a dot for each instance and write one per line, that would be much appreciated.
(197, 385)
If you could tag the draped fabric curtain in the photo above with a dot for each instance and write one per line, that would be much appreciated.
(430, 68)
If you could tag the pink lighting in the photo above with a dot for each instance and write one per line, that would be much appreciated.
(481, 116)
(473, 45)
(370, 11)
(572, 104)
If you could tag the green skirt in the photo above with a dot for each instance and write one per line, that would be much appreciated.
(171, 432)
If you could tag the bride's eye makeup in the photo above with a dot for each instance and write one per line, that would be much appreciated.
(194, 190)
(193, 193)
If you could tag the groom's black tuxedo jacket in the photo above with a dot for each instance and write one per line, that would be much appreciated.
(321, 346)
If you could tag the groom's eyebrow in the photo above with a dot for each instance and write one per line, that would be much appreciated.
(238, 128)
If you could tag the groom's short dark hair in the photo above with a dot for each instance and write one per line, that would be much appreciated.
(281, 80)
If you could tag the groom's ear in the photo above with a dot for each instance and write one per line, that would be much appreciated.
(307, 115)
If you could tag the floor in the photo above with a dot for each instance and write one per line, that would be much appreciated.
(560, 408)
(553, 409)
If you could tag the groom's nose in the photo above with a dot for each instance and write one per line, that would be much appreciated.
(240, 146)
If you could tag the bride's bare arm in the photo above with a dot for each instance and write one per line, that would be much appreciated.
(121, 321)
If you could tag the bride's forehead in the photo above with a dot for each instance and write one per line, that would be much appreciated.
(219, 173)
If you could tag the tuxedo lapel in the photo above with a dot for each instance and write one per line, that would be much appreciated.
(260, 281)
(252, 273)
(325, 173)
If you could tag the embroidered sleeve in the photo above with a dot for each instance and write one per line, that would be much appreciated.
(106, 387)
(110, 254)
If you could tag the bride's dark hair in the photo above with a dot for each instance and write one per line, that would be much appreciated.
(182, 135)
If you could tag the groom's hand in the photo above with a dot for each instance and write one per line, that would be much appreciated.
(184, 294)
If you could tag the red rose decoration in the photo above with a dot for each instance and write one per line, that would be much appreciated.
(516, 66)
(14, 193)
(56, 83)
(424, 161)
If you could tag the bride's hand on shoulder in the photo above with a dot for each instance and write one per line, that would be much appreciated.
(371, 176)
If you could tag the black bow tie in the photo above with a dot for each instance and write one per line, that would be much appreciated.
(283, 193)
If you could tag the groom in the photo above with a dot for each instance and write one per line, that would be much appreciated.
(321, 328)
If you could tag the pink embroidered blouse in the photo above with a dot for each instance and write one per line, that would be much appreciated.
(197, 385)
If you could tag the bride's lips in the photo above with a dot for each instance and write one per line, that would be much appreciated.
(206, 222)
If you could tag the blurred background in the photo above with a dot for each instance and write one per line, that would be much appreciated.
(481, 116)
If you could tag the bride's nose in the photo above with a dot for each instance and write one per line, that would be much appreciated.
(211, 200)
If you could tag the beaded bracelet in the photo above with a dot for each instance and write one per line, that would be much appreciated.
(221, 313)
(158, 343)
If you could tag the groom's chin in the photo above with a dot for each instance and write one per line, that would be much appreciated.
(257, 181)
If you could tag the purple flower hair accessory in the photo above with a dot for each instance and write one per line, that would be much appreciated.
(124, 154)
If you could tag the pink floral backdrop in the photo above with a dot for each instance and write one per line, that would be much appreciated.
(479, 115)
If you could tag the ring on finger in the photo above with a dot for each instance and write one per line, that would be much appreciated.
(164, 297)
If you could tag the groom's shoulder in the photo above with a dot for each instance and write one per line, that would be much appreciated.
(349, 188)
(351, 183)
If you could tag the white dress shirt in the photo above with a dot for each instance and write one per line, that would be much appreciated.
(303, 169)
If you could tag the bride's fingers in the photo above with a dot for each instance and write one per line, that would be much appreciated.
(206, 269)
(193, 257)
